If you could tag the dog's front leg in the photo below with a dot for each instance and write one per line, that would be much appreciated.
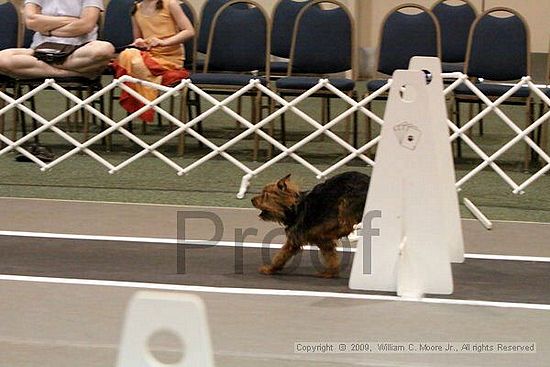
(280, 259)
(332, 261)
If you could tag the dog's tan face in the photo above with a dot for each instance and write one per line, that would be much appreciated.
(275, 199)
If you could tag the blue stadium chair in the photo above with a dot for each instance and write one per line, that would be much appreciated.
(232, 54)
(322, 45)
(455, 21)
(190, 45)
(404, 35)
(117, 29)
(189, 62)
(10, 23)
(498, 51)
(408, 30)
(208, 11)
(203, 27)
(117, 24)
(282, 30)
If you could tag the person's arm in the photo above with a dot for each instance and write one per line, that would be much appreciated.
(38, 22)
(184, 24)
(83, 25)
(138, 36)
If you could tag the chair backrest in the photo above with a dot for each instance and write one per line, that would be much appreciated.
(282, 26)
(498, 47)
(208, 11)
(190, 45)
(404, 35)
(9, 19)
(324, 40)
(117, 24)
(239, 38)
(455, 21)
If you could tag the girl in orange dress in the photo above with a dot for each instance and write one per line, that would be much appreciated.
(160, 28)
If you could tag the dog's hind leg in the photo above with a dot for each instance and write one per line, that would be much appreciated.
(332, 261)
(280, 259)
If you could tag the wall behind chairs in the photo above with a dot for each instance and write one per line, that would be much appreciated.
(536, 12)
(370, 13)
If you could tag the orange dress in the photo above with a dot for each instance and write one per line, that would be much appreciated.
(161, 65)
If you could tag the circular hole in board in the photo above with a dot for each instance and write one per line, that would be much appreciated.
(166, 347)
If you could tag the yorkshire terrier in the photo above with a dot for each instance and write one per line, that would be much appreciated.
(318, 217)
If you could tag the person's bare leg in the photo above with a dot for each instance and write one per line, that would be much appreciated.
(20, 63)
(90, 59)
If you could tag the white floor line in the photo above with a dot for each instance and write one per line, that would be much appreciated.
(268, 292)
(208, 207)
(173, 241)
(171, 206)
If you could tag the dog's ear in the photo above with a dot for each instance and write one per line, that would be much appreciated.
(281, 184)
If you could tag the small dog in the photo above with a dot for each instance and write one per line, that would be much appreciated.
(319, 217)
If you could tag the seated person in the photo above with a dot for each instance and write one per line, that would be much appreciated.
(72, 22)
(160, 28)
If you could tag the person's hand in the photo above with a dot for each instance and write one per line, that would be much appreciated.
(156, 42)
(141, 44)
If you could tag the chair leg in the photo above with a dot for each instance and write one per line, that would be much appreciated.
(144, 127)
(198, 109)
(480, 121)
(324, 115)
(69, 118)
(110, 110)
(271, 109)
(283, 127)
(15, 114)
(368, 127)
(543, 130)
(530, 154)
(101, 103)
(130, 124)
(86, 118)
(183, 118)
(470, 117)
(159, 118)
(83, 111)
(347, 124)
(328, 108)
(172, 107)
(34, 123)
(189, 107)
(458, 124)
(354, 97)
(254, 119)
(2, 122)
(239, 111)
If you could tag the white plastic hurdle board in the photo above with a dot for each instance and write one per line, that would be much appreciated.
(182, 315)
(413, 189)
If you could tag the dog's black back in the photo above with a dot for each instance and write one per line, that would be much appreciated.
(323, 202)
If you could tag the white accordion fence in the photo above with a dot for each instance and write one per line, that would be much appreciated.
(120, 126)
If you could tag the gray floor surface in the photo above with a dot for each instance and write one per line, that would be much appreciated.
(47, 323)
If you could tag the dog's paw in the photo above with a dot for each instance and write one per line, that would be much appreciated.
(327, 274)
(267, 270)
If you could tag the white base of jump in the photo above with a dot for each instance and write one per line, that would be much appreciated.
(182, 315)
(411, 227)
